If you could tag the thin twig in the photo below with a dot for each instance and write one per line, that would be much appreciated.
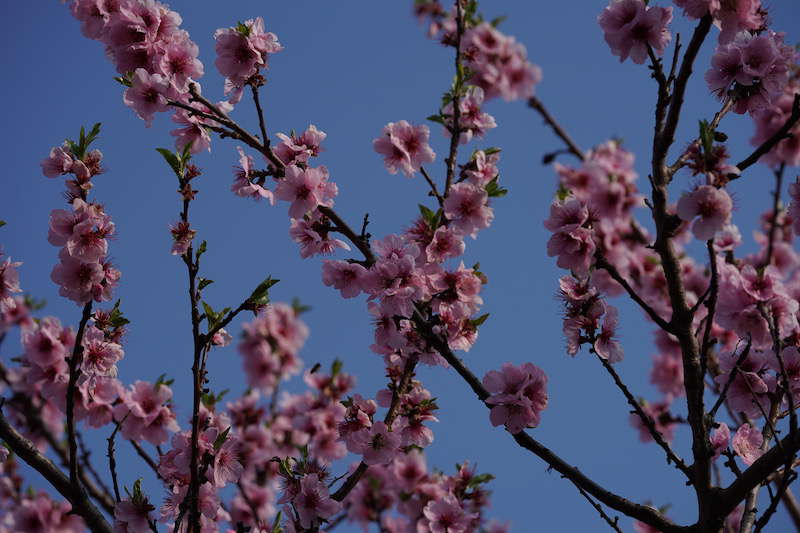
(455, 131)
(112, 462)
(432, 184)
(613, 523)
(723, 395)
(537, 105)
(646, 419)
(773, 221)
(770, 143)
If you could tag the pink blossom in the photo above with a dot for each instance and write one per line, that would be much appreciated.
(472, 121)
(467, 208)
(182, 235)
(293, 150)
(242, 51)
(306, 189)
(314, 237)
(148, 95)
(519, 395)
(344, 276)
(606, 345)
(145, 413)
(410, 469)
(720, 438)
(404, 147)
(575, 249)
(132, 515)
(9, 278)
(378, 445)
(630, 26)
(660, 415)
(499, 63)
(243, 182)
(445, 515)
(57, 163)
(313, 502)
(747, 443)
(446, 243)
(713, 207)
(100, 355)
(76, 280)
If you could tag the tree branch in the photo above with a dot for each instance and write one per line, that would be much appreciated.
(537, 105)
(76, 496)
(770, 143)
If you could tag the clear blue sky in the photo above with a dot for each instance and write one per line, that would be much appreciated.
(351, 67)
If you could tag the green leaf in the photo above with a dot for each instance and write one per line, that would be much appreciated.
(492, 150)
(336, 367)
(204, 283)
(202, 249)
(162, 380)
(494, 190)
(116, 317)
(211, 317)
(427, 213)
(480, 320)
(34, 304)
(479, 480)
(495, 22)
(186, 155)
(2, 223)
(260, 295)
(276, 524)
(439, 119)
(299, 308)
(125, 82)
(243, 28)
(221, 438)
(172, 160)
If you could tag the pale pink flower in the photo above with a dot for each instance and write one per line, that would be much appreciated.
(467, 208)
(306, 189)
(472, 121)
(630, 26)
(410, 469)
(404, 147)
(446, 243)
(445, 515)
(747, 443)
(182, 235)
(720, 438)
(379, 445)
(313, 502)
(133, 515)
(518, 394)
(606, 345)
(76, 279)
(57, 163)
(344, 276)
(243, 184)
(148, 95)
(713, 207)
(293, 150)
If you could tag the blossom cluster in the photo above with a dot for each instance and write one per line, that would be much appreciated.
(753, 70)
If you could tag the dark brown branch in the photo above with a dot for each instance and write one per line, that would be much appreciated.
(646, 419)
(770, 143)
(613, 523)
(74, 372)
(455, 131)
(341, 226)
(146, 458)
(724, 393)
(773, 220)
(713, 287)
(87, 464)
(642, 513)
(537, 105)
(601, 262)
(400, 389)
(776, 498)
(80, 502)
(260, 113)
(112, 462)
(432, 185)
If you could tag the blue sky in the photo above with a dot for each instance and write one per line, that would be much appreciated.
(349, 68)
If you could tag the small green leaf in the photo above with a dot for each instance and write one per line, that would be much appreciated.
(243, 28)
(260, 295)
(336, 367)
(211, 317)
(202, 249)
(116, 317)
(125, 82)
(495, 22)
(439, 119)
(2, 223)
(494, 190)
(162, 380)
(426, 213)
(172, 160)
(299, 308)
(221, 438)
(479, 480)
(276, 524)
(480, 320)
(204, 283)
